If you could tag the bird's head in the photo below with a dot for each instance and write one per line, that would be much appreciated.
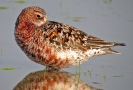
(33, 15)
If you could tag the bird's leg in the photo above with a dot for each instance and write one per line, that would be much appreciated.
(52, 69)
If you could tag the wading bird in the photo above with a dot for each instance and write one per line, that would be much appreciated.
(54, 44)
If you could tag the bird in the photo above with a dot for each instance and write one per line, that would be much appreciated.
(55, 44)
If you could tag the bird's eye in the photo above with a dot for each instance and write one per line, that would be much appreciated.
(38, 16)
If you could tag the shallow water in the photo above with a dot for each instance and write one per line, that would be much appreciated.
(111, 20)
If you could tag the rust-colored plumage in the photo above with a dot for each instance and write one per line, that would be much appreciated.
(55, 44)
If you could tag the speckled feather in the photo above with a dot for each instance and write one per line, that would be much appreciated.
(55, 44)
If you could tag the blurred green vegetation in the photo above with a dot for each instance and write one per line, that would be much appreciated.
(8, 68)
(20, 1)
(3, 8)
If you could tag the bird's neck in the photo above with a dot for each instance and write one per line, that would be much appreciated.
(24, 30)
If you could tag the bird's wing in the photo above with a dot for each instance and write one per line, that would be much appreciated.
(65, 36)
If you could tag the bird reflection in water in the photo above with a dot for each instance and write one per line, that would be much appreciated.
(52, 80)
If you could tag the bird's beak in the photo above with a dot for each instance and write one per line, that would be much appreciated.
(45, 18)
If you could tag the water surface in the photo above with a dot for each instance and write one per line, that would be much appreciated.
(111, 20)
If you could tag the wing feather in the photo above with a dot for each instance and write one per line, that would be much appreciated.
(65, 36)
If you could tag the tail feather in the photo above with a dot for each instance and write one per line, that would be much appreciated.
(110, 51)
(106, 44)
(119, 44)
(104, 51)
